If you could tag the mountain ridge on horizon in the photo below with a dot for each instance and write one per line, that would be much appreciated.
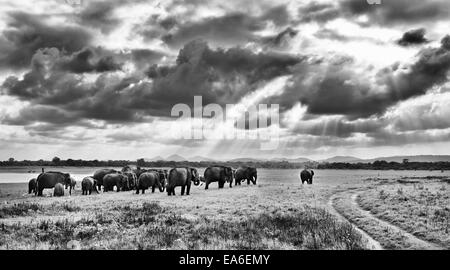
(334, 159)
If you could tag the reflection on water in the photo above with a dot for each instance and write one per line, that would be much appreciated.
(326, 177)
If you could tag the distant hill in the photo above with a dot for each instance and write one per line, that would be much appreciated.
(420, 158)
(157, 158)
(345, 159)
(292, 160)
(245, 160)
(200, 158)
(175, 158)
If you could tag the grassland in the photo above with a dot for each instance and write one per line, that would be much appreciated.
(420, 207)
(395, 213)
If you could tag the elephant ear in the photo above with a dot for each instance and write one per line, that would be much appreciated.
(312, 172)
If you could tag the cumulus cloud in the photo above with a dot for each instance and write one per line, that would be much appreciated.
(100, 14)
(118, 98)
(333, 87)
(26, 33)
(413, 37)
(398, 11)
(230, 29)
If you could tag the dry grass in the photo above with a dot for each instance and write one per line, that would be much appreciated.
(151, 226)
(422, 209)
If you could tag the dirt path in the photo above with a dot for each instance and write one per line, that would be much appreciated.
(388, 235)
(413, 240)
(371, 243)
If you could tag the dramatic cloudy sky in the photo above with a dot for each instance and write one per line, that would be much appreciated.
(98, 80)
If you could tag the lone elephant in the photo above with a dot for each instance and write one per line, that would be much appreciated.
(88, 185)
(182, 177)
(50, 179)
(307, 176)
(221, 174)
(58, 191)
(32, 186)
(245, 173)
(100, 174)
(115, 179)
(153, 179)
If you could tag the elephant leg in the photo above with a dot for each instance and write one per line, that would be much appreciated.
(183, 187)
(137, 190)
(153, 189)
(206, 185)
(143, 191)
(236, 182)
(221, 184)
(248, 181)
(231, 182)
(188, 189)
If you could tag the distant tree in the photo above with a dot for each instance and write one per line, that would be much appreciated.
(140, 162)
(11, 160)
(405, 161)
(56, 160)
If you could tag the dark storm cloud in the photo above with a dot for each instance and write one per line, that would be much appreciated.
(32, 114)
(89, 60)
(26, 33)
(100, 14)
(318, 12)
(281, 38)
(398, 11)
(336, 89)
(198, 68)
(115, 98)
(413, 37)
(143, 58)
(230, 29)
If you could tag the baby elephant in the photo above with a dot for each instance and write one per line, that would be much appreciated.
(88, 185)
(151, 179)
(32, 186)
(59, 190)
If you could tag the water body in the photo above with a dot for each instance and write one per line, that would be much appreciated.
(265, 176)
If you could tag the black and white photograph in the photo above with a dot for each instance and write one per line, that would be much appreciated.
(212, 125)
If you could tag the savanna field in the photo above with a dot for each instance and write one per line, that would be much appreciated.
(342, 209)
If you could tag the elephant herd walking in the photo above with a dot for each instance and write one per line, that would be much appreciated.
(140, 179)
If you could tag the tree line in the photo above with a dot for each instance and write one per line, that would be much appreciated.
(377, 165)
(142, 163)
(384, 165)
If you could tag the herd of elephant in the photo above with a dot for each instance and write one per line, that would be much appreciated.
(140, 179)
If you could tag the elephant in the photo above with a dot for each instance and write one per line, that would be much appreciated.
(221, 174)
(307, 176)
(87, 185)
(132, 180)
(181, 177)
(100, 174)
(115, 179)
(151, 179)
(73, 183)
(245, 173)
(58, 191)
(138, 171)
(32, 186)
(50, 179)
